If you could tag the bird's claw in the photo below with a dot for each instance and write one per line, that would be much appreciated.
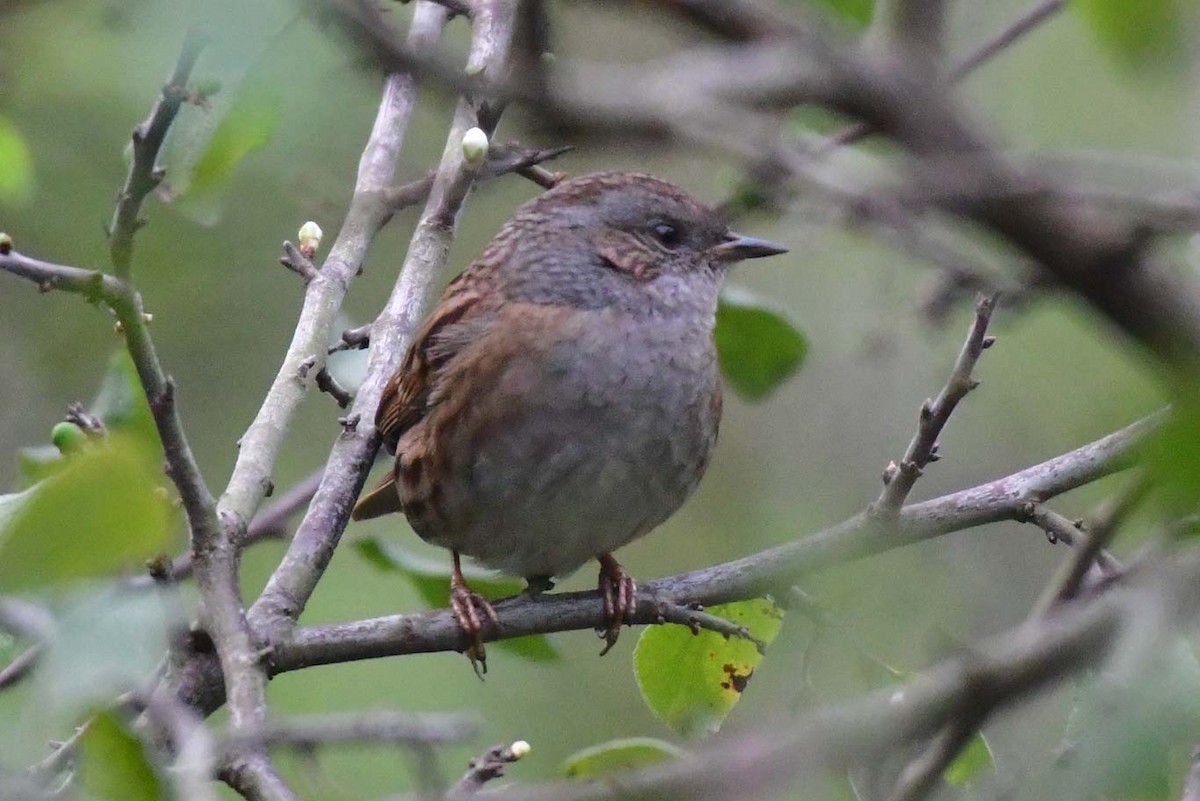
(619, 593)
(471, 610)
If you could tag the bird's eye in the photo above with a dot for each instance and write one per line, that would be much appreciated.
(667, 234)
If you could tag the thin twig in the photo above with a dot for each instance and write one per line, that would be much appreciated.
(922, 775)
(21, 666)
(696, 619)
(298, 263)
(502, 160)
(144, 173)
(1023, 25)
(486, 767)
(328, 384)
(898, 480)
(374, 727)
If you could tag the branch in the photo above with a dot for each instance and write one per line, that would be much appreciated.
(899, 480)
(293, 582)
(326, 288)
(160, 390)
(375, 727)
(144, 173)
(753, 576)
(486, 767)
(921, 776)
(1000, 673)
(216, 568)
(1006, 38)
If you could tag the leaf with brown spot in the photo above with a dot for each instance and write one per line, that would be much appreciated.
(693, 681)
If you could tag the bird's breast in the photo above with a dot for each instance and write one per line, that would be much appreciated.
(591, 439)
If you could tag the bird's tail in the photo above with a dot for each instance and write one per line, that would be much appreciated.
(383, 500)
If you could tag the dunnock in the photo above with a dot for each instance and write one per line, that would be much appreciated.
(563, 398)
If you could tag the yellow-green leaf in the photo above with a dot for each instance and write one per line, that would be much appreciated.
(247, 126)
(618, 755)
(693, 681)
(974, 761)
(1140, 33)
(16, 166)
(100, 513)
(113, 764)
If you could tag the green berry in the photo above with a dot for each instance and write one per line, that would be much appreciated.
(68, 437)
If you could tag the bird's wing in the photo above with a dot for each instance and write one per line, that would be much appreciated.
(406, 396)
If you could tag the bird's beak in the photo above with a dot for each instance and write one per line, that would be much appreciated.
(737, 247)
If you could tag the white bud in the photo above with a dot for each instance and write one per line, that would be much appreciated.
(474, 146)
(310, 238)
(520, 748)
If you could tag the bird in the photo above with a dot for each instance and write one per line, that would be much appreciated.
(563, 398)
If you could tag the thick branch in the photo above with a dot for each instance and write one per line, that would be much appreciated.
(293, 582)
(323, 297)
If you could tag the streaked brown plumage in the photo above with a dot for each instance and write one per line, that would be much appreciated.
(563, 398)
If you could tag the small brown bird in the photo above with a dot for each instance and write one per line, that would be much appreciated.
(563, 399)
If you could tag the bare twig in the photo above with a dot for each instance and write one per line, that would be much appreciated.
(486, 767)
(298, 263)
(1023, 25)
(374, 727)
(328, 384)
(21, 666)
(144, 173)
(922, 774)
(899, 479)
(696, 619)
(327, 287)
(255, 777)
(502, 159)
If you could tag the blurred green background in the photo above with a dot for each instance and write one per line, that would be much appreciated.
(76, 75)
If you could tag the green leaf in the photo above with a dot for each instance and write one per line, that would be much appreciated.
(858, 12)
(248, 126)
(1173, 457)
(107, 640)
(431, 579)
(974, 761)
(101, 512)
(757, 346)
(121, 403)
(114, 766)
(16, 166)
(618, 755)
(1139, 33)
(693, 681)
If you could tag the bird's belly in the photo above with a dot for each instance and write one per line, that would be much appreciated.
(607, 448)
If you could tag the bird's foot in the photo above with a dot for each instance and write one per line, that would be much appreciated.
(471, 610)
(619, 592)
(536, 585)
